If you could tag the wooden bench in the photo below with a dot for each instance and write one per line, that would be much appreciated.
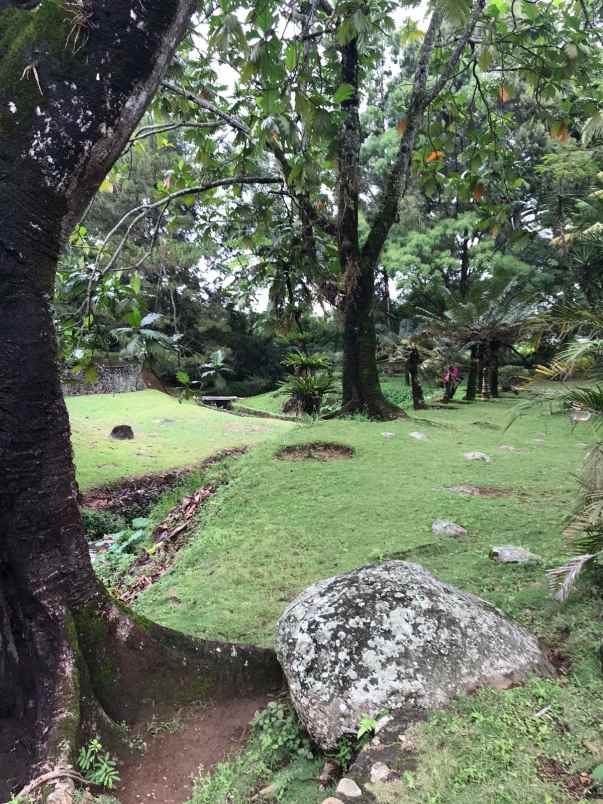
(224, 402)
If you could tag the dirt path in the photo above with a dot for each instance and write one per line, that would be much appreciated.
(165, 772)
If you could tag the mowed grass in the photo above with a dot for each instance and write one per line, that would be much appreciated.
(279, 526)
(282, 525)
(167, 434)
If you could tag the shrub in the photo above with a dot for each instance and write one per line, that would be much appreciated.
(99, 523)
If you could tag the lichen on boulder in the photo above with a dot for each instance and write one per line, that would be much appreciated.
(392, 636)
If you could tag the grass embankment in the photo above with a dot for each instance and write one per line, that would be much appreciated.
(279, 526)
(167, 434)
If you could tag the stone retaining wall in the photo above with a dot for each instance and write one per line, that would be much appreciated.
(114, 378)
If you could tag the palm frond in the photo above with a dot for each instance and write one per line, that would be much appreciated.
(563, 579)
(593, 128)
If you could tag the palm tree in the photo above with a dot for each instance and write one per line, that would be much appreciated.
(484, 323)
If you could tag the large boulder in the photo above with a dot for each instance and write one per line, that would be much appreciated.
(392, 636)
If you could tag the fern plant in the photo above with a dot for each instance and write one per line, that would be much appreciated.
(97, 765)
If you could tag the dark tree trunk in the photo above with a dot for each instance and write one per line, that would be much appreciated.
(412, 367)
(484, 371)
(494, 351)
(68, 655)
(473, 376)
(361, 387)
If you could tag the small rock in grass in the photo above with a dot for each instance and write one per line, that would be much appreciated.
(332, 800)
(122, 432)
(509, 554)
(509, 448)
(348, 788)
(443, 527)
(380, 773)
(418, 436)
(268, 792)
(581, 415)
(388, 435)
(477, 456)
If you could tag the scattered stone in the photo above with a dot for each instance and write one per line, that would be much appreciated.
(443, 527)
(268, 792)
(348, 788)
(382, 723)
(509, 448)
(380, 773)
(477, 456)
(332, 800)
(418, 436)
(509, 554)
(375, 638)
(122, 432)
(388, 435)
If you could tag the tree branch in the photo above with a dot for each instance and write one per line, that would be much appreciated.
(397, 180)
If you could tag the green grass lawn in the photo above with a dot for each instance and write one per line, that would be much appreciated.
(167, 434)
(279, 526)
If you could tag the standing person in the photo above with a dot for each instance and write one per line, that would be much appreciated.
(452, 379)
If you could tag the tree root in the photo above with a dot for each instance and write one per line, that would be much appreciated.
(381, 410)
(51, 776)
(114, 666)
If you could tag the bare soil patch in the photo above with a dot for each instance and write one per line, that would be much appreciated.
(135, 496)
(165, 771)
(480, 491)
(315, 451)
(574, 784)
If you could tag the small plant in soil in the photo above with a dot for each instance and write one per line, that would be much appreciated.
(97, 765)
(100, 523)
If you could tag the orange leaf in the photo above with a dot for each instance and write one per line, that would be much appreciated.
(494, 231)
(560, 131)
(401, 126)
(434, 155)
(478, 192)
(274, 135)
(504, 94)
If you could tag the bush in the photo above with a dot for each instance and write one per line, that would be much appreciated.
(99, 523)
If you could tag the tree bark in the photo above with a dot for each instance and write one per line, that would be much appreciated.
(473, 376)
(361, 388)
(412, 367)
(69, 656)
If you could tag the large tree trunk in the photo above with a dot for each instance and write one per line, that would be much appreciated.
(361, 388)
(69, 656)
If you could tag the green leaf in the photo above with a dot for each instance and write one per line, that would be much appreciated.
(597, 773)
(140, 522)
(343, 93)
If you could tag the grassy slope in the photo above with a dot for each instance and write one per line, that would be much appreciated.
(167, 434)
(280, 526)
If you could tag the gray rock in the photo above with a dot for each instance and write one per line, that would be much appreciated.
(348, 788)
(388, 435)
(477, 456)
(418, 436)
(332, 800)
(380, 773)
(443, 527)
(392, 636)
(509, 554)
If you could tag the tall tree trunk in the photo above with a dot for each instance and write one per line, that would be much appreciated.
(70, 657)
(361, 387)
(412, 368)
(494, 350)
(473, 376)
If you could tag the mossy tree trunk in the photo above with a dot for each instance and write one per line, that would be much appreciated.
(68, 653)
(473, 376)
